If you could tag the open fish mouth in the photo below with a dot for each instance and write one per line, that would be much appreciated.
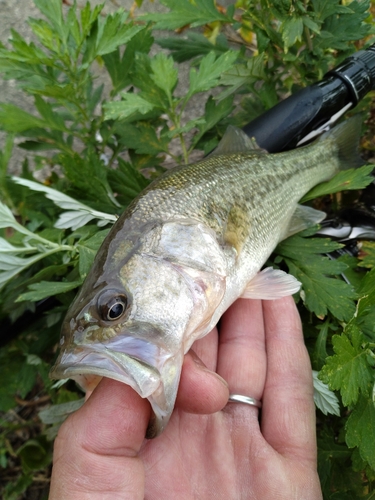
(87, 364)
(79, 363)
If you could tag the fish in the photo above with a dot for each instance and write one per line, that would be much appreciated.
(183, 251)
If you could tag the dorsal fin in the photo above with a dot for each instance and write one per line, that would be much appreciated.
(236, 141)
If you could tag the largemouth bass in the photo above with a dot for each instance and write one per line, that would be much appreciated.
(184, 250)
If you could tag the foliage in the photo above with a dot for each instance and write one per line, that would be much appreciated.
(102, 147)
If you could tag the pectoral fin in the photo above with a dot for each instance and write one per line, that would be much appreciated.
(271, 284)
(302, 218)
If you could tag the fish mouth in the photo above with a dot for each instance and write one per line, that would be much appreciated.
(88, 364)
(143, 378)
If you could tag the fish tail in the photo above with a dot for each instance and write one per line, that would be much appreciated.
(346, 136)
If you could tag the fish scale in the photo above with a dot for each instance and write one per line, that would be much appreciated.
(182, 252)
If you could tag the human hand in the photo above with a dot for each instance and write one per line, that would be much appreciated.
(100, 452)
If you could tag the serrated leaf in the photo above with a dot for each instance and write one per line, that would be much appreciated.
(366, 303)
(324, 398)
(43, 289)
(214, 112)
(195, 44)
(164, 73)
(348, 370)
(114, 31)
(182, 12)
(367, 254)
(52, 119)
(142, 138)
(52, 9)
(16, 120)
(320, 292)
(210, 71)
(242, 74)
(119, 67)
(291, 30)
(86, 259)
(128, 181)
(130, 103)
(345, 180)
(360, 430)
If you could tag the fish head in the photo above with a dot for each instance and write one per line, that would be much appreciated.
(136, 321)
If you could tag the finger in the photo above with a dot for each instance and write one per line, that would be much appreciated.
(242, 354)
(201, 390)
(206, 349)
(98, 443)
(288, 418)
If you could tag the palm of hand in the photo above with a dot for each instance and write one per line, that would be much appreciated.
(209, 450)
(225, 455)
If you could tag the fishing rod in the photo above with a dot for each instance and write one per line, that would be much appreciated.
(310, 111)
(292, 122)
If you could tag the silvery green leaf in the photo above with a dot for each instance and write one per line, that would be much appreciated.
(6, 247)
(11, 262)
(78, 214)
(58, 413)
(74, 220)
(324, 398)
(6, 217)
(33, 359)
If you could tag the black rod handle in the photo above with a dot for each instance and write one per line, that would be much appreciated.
(286, 124)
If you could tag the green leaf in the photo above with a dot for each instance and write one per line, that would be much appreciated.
(367, 295)
(52, 9)
(360, 429)
(118, 67)
(291, 29)
(243, 74)
(195, 44)
(114, 31)
(348, 370)
(164, 73)
(128, 181)
(182, 12)
(214, 112)
(43, 289)
(142, 138)
(14, 489)
(367, 254)
(345, 180)
(16, 377)
(14, 119)
(52, 118)
(210, 70)
(35, 454)
(325, 399)
(130, 103)
(320, 292)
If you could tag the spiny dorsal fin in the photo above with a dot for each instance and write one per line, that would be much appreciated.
(236, 141)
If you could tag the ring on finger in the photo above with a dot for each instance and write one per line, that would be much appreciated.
(240, 398)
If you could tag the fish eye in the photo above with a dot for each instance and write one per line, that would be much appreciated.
(112, 308)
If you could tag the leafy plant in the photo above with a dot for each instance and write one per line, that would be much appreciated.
(102, 145)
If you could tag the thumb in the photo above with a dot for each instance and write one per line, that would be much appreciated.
(96, 450)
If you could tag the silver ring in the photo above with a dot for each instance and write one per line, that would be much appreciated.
(239, 398)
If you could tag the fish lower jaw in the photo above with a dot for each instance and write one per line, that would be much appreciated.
(88, 369)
